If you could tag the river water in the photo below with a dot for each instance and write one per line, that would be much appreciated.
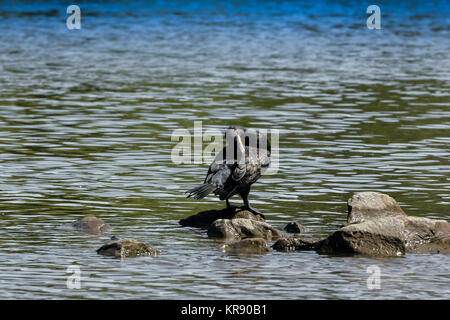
(86, 118)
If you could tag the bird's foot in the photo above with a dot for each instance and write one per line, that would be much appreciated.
(255, 212)
(230, 207)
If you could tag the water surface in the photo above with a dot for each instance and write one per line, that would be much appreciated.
(86, 118)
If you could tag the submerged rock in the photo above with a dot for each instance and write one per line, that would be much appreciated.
(127, 248)
(296, 244)
(377, 226)
(247, 246)
(238, 228)
(205, 218)
(91, 224)
(294, 227)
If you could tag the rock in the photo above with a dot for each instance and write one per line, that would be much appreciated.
(294, 227)
(238, 228)
(91, 224)
(376, 237)
(424, 235)
(205, 218)
(296, 244)
(377, 226)
(369, 205)
(127, 248)
(247, 246)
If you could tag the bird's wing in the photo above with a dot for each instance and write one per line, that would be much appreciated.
(218, 163)
(227, 168)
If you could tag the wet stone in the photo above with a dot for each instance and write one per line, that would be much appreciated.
(294, 227)
(247, 246)
(364, 206)
(377, 226)
(296, 244)
(91, 225)
(240, 228)
(127, 248)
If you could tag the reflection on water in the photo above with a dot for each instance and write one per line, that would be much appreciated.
(86, 118)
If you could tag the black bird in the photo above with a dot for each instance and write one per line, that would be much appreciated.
(233, 171)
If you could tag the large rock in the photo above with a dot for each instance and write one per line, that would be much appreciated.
(377, 237)
(243, 228)
(247, 246)
(423, 235)
(377, 226)
(91, 224)
(127, 248)
(205, 218)
(369, 205)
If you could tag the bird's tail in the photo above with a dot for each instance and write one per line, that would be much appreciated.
(201, 191)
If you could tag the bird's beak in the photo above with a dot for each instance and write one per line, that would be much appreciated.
(241, 146)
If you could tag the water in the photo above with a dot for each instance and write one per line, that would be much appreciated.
(86, 118)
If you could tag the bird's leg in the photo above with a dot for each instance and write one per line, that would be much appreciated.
(229, 207)
(244, 196)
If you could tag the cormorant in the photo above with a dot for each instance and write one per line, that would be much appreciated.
(233, 173)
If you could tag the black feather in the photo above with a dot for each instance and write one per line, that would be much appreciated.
(201, 191)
